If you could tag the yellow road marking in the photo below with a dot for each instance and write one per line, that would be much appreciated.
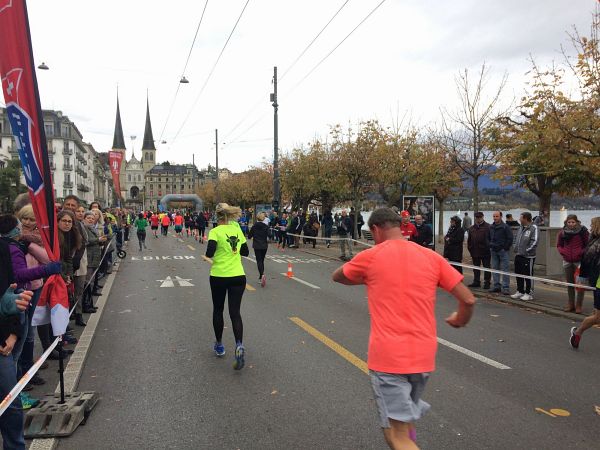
(544, 411)
(348, 356)
(191, 247)
(560, 412)
(250, 288)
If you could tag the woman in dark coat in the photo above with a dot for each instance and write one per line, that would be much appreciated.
(453, 242)
(259, 233)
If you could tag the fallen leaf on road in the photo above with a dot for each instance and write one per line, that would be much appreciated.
(274, 392)
(597, 408)
(333, 321)
(494, 315)
(501, 340)
(125, 311)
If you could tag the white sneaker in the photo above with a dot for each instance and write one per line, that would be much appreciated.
(517, 295)
(526, 297)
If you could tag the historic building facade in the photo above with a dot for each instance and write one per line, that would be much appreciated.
(74, 164)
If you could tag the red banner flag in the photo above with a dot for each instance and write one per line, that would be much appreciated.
(24, 112)
(114, 160)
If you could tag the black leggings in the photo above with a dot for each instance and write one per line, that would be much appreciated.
(282, 238)
(234, 288)
(260, 260)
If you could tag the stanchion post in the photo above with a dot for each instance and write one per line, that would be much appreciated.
(61, 370)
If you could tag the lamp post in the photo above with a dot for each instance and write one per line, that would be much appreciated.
(276, 187)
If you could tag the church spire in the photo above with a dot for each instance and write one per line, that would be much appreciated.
(118, 140)
(148, 138)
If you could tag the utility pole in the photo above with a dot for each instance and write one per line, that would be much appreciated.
(276, 187)
(217, 166)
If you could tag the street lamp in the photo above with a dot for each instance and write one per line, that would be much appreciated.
(43, 66)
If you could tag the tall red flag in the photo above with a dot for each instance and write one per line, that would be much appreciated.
(115, 159)
(24, 111)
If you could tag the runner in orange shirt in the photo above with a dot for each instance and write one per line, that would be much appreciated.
(165, 222)
(178, 224)
(403, 339)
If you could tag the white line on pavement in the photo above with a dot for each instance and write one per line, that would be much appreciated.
(302, 281)
(249, 259)
(472, 354)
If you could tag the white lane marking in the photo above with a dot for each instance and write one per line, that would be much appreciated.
(302, 281)
(167, 282)
(249, 259)
(184, 282)
(472, 354)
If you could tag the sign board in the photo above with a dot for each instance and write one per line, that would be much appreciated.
(423, 205)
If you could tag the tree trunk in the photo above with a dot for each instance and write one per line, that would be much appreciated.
(440, 230)
(476, 193)
(544, 201)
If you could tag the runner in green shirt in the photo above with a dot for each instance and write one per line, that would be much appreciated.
(226, 246)
(140, 224)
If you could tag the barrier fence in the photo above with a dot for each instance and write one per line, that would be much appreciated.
(26, 378)
(466, 266)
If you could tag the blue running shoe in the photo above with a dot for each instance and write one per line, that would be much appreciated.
(239, 357)
(219, 349)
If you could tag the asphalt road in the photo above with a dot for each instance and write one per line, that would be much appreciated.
(162, 387)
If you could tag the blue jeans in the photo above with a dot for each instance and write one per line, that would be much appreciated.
(11, 422)
(26, 358)
(500, 262)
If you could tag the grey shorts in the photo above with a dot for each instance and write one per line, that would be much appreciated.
(398, 396)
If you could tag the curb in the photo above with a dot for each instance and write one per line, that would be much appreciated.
(74, 366)
(530, 305)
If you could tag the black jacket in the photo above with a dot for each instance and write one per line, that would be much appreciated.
(501, 237)
(453, 242)
(259, 234)
(8, 324)
(424, 235)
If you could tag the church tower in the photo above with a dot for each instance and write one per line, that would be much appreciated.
(119, 145)
(148, 148)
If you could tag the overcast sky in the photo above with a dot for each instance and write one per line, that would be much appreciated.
(403, 58)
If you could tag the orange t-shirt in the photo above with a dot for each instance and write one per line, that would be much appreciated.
(402, 278)
(166, 221)
(178, 220)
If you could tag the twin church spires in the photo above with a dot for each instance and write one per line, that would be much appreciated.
(148, 148)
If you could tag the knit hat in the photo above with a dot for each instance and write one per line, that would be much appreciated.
(405, 213)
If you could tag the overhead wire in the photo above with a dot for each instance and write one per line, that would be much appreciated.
(183, 72)
(317, 65)
(261, 100)
(211, 71)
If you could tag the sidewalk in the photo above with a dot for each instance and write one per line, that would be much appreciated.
(548, 298)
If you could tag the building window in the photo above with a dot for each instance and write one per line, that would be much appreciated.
(67, 177)
(159, 186)
(183, 187)
(49, 127)
(128, 177)
(64, 193)
(167, 187)
(139, 178)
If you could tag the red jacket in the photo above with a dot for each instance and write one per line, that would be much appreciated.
(408, 230)
(572, 246)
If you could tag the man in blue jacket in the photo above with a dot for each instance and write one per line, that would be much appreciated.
(501, 239)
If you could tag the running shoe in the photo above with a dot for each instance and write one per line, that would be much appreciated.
(219, 349)
(28, 402)
(517, 295)
(263, 280)
(239, 357)
(527, 297)
(575, 338)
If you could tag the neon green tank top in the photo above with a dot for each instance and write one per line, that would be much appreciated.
(227, 261)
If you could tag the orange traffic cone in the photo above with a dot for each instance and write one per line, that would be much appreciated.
(290, 271)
